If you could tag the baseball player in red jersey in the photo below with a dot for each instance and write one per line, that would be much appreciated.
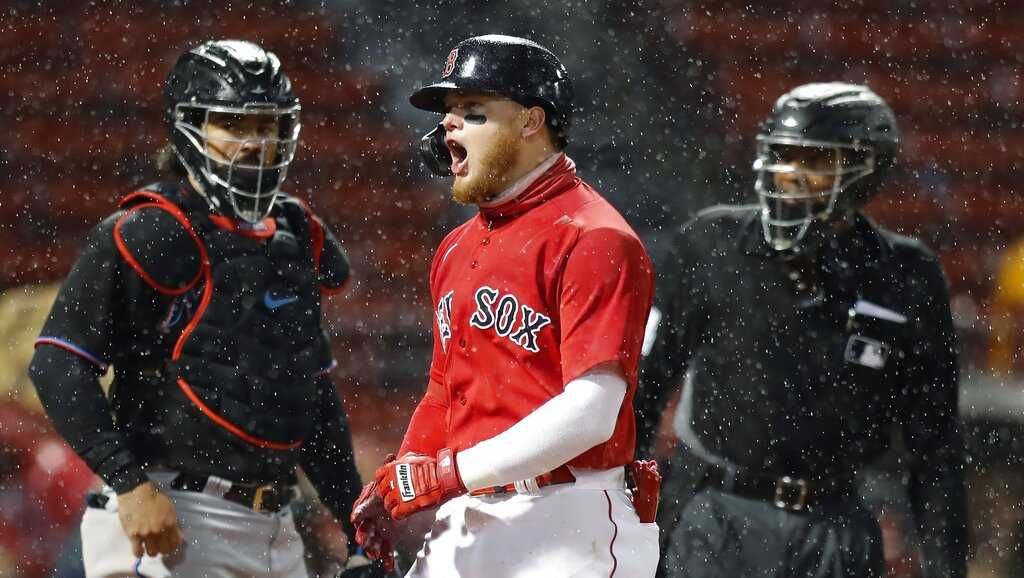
(526, 428)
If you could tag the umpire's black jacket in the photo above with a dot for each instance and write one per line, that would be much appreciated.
(801, 367)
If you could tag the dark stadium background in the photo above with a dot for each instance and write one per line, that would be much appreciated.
(669, 94)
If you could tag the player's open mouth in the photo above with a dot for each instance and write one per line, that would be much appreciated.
(460, 156)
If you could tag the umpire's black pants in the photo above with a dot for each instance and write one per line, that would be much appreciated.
(721, 535)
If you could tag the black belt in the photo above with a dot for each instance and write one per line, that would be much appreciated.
(263, 498)
(788, 493)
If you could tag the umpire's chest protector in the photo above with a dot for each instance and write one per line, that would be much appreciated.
(247, 359)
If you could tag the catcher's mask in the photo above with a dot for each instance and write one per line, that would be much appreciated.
(800, 183)
(241, 154)
(234, 124)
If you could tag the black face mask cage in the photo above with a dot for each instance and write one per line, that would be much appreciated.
(249, 181)
(788, 212)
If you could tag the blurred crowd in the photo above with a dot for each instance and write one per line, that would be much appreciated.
(669, 92)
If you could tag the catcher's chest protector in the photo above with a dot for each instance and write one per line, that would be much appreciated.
(248, 357)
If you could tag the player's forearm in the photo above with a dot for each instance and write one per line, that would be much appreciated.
(581, 417)
(74, 401)
(328, 459)
(427, 431)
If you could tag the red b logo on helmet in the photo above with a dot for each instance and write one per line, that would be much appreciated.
(449, 65)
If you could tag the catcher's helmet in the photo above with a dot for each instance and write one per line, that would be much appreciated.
(852, 122)
(234, 78)
(509, 66)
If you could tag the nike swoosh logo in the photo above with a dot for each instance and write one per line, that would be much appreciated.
(272, 303)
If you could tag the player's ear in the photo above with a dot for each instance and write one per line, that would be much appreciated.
(533, 120)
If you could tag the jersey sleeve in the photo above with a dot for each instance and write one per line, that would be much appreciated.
(428, 432)
(327, 457)
(81, 319)
(604, 302)
(74, 347)
(931, 431)
(673, 331)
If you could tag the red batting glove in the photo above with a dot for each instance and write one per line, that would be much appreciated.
(374, 527)
(416, 482)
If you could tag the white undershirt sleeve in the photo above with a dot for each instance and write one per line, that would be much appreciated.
(581, 417)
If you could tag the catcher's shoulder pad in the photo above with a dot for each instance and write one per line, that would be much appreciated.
(334, 268)
(155, 238)
(329, 256)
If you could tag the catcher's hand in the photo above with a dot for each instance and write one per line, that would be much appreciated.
(150, 521)
(416, 482)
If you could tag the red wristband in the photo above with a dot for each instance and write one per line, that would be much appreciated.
(448, 472)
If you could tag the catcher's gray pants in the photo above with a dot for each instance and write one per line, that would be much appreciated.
(221, 540)
(721, 535)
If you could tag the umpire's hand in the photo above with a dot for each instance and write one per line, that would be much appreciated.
(150, 521)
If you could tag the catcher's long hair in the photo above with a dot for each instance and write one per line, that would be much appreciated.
(168, 163)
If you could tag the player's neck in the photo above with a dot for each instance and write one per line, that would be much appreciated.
(523, 182)
(533, 152)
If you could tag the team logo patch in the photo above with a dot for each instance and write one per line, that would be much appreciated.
(449, 65)
(444, 319)
(403, 474)
(515, 321)
(867, 352)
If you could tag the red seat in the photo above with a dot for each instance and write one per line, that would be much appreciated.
(28, 261)
(899, 207)
(963, 150)
(328, 87)
(76, 205)
(737, 32)
(70, 139)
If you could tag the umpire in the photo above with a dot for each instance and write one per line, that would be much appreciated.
(806, 339)
(203, 292)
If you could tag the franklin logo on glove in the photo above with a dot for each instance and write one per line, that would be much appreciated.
(404, 474)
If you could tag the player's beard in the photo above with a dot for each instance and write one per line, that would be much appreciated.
(491, 166)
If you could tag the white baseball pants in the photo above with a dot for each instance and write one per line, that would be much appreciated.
(588, 529)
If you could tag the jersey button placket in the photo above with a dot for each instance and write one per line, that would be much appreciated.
(485, 240)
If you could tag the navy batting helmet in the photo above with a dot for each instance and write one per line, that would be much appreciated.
(514, 67)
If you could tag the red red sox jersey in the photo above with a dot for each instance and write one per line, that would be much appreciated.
(528, 296)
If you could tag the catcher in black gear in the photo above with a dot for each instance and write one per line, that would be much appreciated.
(204, 292)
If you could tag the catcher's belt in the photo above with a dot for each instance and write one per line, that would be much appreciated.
(263, 498)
